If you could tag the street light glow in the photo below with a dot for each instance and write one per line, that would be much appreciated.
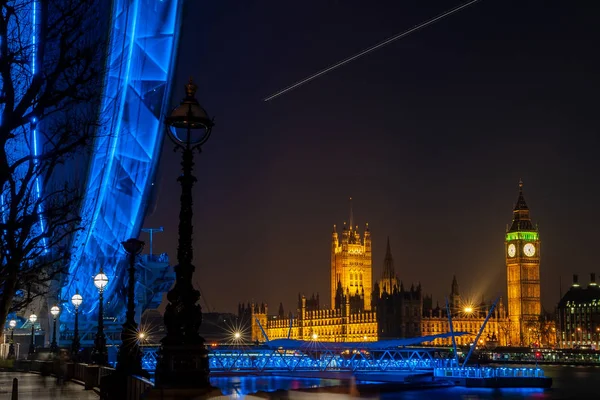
(55, 310)
(468, 309)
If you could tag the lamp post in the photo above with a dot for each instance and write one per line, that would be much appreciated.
(129, 360)
(11, 348)
(55, 310)
(100, 354)
(32, 319)
(76, 300)
(183, 359)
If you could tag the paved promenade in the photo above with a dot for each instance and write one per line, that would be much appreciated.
(37, 387)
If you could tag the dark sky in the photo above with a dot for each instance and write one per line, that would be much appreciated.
(429, 135)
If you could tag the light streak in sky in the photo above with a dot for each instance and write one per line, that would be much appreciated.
(369, 50)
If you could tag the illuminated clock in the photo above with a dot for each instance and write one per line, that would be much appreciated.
(529, 250)
(512, 250)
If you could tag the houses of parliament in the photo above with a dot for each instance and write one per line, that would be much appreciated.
(363, 310)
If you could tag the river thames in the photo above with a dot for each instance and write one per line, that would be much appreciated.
(569, 382)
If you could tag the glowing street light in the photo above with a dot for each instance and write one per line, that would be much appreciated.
(315, 336)
(55, 310)
(100, 354)
(76, 300)
(468, 310)
(237, 335)
(11, 349)
(32, 319)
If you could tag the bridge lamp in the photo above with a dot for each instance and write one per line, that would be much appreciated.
(237, 335)
(468, 310)
(315, 336)
(55, 310)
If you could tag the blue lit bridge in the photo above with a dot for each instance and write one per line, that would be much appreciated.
(290, 356)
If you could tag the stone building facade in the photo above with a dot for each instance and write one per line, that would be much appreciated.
(466, 317)
(359, 311)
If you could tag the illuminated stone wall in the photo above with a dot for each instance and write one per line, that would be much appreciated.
(496, 327)
(351, 263)
(522, 252)
(316, 325)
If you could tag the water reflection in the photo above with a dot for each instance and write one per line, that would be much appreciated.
(238, 386)
(569, 382)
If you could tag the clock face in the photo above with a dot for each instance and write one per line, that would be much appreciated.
(512, 250)
(529, 250)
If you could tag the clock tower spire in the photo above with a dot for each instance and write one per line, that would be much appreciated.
(522, 252)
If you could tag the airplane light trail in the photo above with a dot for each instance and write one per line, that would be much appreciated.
(368, 50)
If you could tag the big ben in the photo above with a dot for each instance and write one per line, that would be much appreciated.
(522, 252)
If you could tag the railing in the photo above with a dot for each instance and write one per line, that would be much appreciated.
(137, 386)
(487, 372)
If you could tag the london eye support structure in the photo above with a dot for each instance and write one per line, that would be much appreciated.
(140, 40)
(140, 60)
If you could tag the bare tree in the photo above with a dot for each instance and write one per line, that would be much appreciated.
(49, 97)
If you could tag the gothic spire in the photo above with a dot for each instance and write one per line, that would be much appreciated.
(521, 204)
(454, 286)
(388, 263)
(521, 219)
(389, 280)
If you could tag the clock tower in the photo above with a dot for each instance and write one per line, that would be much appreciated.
(522, 252)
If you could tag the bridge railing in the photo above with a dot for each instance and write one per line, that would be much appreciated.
(488, 372)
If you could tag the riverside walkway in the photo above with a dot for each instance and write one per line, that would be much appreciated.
(37, 387)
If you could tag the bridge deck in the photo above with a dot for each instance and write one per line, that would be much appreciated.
(263, 359)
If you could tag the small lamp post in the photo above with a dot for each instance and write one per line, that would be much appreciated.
(183, 361)
(11, 348)
(32, 319)
(55, 310)
(76, 300)
(129, 360)
(100, 354)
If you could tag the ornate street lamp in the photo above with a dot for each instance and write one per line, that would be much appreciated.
(129, 360)
(55, 310)
(183, 359)
(32, 319)
(100, 354)
(76, 300)
(11, 348)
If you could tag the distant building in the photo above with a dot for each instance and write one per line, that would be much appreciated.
(359, 312)
(363, 311)
(522, 252)
(351, 266)
(466, 317)
(578, 316)
(398, 311)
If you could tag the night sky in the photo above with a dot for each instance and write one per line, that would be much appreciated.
(429, 135)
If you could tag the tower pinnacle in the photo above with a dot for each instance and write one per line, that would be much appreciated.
(521, 218)
(351, 215)
(389, 280)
